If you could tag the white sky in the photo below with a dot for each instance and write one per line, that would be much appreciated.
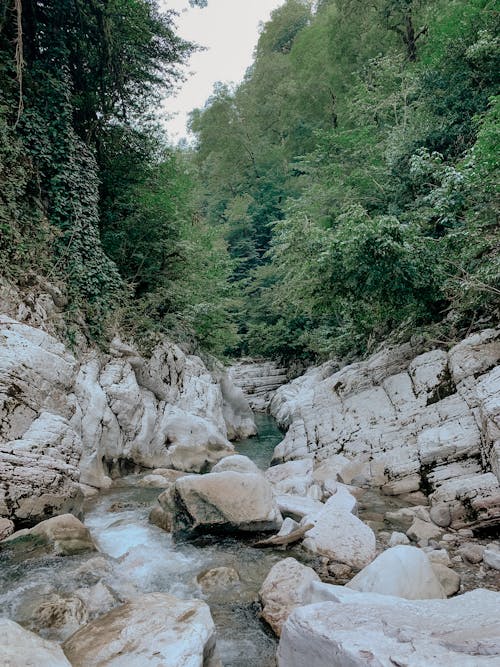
(230, 30)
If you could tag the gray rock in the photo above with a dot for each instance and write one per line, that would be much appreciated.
(471, 552)
(448, 578)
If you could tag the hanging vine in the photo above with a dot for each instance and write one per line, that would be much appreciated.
(18, 6)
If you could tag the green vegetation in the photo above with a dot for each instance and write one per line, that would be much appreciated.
(344, 192)
(356, 171)
(91, 196)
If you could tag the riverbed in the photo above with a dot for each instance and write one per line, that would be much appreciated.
(144, 558)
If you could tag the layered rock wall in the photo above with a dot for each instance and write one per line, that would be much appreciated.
(259, 381)
(70, 418)
(405, 423)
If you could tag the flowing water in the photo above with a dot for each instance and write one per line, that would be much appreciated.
(145, 558)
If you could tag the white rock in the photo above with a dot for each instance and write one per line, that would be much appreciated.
(226, 500)
(289, 525)
(155, 629)
(293, 477)
(237, 413)
(297, 507)
(463, 631)
(236, 463)
(342, 500)
(39, 473)
(396, 420)
(401, 571)
(20, 648)
(340, 536)
(491, 556)
(281, 591)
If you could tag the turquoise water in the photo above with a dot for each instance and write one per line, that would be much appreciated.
(260, 448)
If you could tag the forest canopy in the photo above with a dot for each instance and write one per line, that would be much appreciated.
(346, 191)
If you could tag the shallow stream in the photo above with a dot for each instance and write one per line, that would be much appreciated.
(146, 558)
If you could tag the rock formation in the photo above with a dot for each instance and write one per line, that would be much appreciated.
(404, 423)
(67, 419)
(259, 381)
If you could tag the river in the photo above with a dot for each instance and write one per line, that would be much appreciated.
(145, 558)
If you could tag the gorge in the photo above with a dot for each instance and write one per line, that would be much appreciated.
(250, 383)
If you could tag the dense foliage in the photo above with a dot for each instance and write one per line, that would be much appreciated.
(344, 192)
(91, 196)
(356, 172)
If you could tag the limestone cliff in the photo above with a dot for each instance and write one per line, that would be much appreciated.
(69, 418)
(406, 422)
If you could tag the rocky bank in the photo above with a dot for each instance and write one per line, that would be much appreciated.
(68, 420)
(384, 500)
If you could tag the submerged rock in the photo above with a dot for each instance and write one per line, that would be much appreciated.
(381, 630)
(19, 648)
(59, 616)
(226, 501)
(157, 630)
(218, 578)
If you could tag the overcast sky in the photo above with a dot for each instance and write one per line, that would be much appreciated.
(230, 30)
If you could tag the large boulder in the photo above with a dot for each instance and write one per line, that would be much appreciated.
(341, 537)
(401, 571)
(157, 630)
(66, 535)
(19, 648)
(226, 501)
(281, 591)
(365, 628)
